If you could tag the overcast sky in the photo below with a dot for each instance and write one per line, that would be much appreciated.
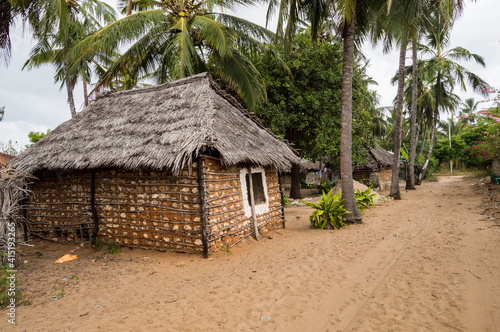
(33, 102)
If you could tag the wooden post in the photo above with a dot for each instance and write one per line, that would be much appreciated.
(282, 199)
(93, 208)
(203, 204)
(252, 203)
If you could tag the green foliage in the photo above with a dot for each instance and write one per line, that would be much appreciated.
(62, 292)
(286, 201)
(74, 277)
(329, 212)
(444, 153)
(304, 184)
(304, 104)
(5, 287)
(38, 254)
(35, 136)
(226, 248)
(114, 248)
(98, 244)
(431, 168)
(364, 198)
(326, 185)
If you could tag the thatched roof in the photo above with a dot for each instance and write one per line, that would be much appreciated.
(4, 158)
(160, 127)
(379, 158)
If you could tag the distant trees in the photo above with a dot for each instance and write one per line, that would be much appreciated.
(304, 103)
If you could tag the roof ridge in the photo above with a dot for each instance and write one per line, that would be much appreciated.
(182, 81)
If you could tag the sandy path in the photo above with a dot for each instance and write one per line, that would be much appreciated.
(427, 263)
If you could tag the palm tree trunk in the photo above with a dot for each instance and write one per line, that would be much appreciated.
(85, 93)
(129, 7)
(346, 128)
(69, 90)
(410, 177)
(434, 126)
(399, 121)
(424, 135)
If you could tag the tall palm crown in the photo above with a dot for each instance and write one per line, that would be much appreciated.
(172, 39)
(61, 25)
(444, 61)
(467, 112)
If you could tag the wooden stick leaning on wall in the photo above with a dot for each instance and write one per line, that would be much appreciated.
(93, 208)
(252, 203)
(282, 196)
(203, 203)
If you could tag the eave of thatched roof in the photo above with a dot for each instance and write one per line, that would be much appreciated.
(379, 158)
(161, 127)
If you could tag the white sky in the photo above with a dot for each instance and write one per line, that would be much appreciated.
(34, 103)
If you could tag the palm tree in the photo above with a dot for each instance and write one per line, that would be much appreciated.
(467, 112)
(446, 70)
(182, 38)
(53, 45)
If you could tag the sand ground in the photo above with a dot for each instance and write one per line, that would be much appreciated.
(430, 262)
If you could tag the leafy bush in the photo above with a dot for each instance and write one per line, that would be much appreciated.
(364, 198)
(304, 184)
(431, 168)
(329, 211)
(286, 201)
(114, 248)
(326, 185)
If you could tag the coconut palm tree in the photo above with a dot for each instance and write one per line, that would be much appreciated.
(80, 19)
(446, 70)
(179, 38)
(468, 111)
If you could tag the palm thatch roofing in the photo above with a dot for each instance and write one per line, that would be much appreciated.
(5, 158)
(379, 158)
(160, 127)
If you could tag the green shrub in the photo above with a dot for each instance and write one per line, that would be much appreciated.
(304, 184)
(329, 211)
(364, 198)
(114, 248)
(286, 201)
(326, 185)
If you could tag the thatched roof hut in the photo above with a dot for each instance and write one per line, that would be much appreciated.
(180, 166)
(161, 127)
(379, 158)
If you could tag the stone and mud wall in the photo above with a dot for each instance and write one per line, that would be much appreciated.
(150, 209)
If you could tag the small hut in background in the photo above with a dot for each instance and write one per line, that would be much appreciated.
(4, 159)
(179, 166)
(309, 172)
(378, 168)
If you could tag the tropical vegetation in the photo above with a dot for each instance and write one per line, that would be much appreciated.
(307, 80)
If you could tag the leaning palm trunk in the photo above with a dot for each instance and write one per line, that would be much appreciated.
(346, 129)
(435, 120)
(13, 192)
(424, 134)
(410, 177)
(399, 120)
(70, 84)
